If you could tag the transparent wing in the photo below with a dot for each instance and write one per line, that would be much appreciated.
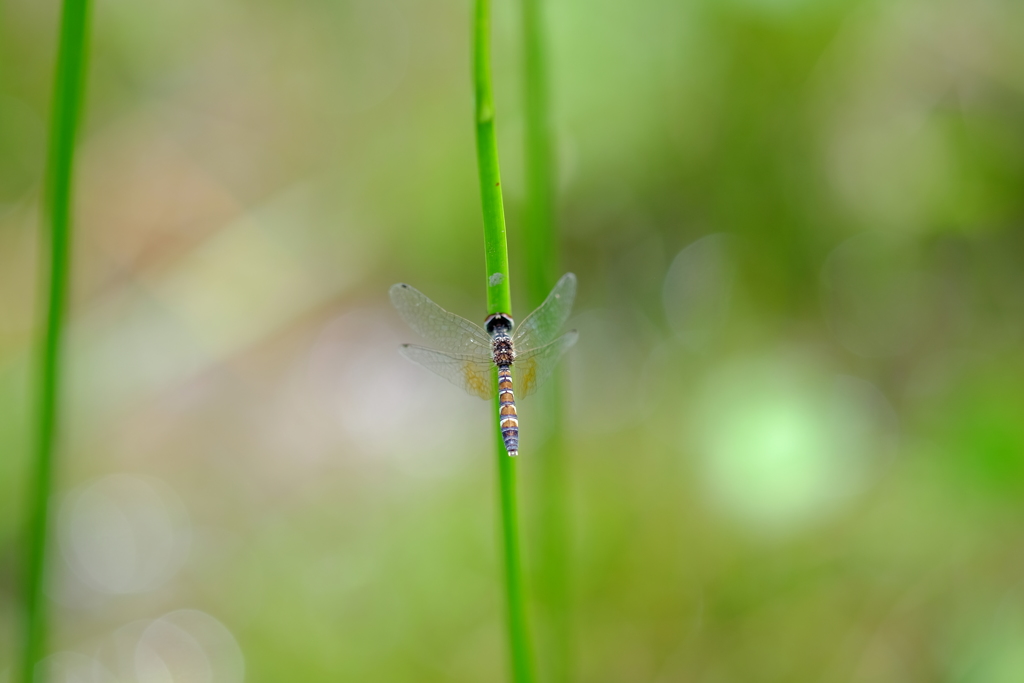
(448, 331)
(544, 324)
(474, 373)
(536, 365)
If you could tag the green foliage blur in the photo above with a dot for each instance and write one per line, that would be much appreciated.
(796, 420)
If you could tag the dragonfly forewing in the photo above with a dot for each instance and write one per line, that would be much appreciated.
(543, 325)
(474, 372)
(451, 333)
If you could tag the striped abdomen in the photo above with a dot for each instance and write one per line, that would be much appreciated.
(507, 411)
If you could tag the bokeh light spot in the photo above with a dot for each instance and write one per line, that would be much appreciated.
(188, 646)
(124, 533)
(697, 290)
(782, 443)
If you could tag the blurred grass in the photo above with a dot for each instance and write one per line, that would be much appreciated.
(540, 241)
(855, 169)
(68, 93)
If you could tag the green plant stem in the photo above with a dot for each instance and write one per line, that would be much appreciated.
(56, 215)
(540, 242)
(518, 629)
(499, 294)
(499, 300)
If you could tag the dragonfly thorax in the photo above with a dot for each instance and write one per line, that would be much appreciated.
(499, 326)
(502, 350)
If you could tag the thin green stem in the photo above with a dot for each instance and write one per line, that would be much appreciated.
(518, 628)
(540, 241)
(499, 300)
(499, 294)
(56, 215)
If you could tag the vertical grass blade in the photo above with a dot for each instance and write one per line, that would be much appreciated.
(518, 630)
(540, 241)
(499, 294)
(56, 220)
(499, 300)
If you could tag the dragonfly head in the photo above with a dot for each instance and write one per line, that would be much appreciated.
(499, 323)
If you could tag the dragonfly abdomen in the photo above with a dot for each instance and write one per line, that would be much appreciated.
(507, 410)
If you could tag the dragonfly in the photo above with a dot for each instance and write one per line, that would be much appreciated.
(467, 354)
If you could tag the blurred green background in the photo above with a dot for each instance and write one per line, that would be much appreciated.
(796, 416)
